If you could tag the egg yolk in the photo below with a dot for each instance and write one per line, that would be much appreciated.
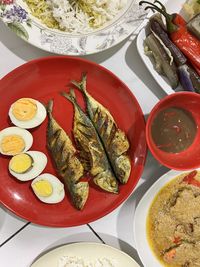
(21, 163)
(12, 144)
(24, 109)
(42, 188)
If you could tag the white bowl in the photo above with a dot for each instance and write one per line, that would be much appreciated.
(143, 248)
(174, 6)
(86, 251)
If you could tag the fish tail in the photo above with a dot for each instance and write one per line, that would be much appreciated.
(49, 107)
(70, 96)
(82, 84)
(82, 117)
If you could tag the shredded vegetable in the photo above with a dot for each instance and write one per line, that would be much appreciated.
(41, 10)
(76, 16)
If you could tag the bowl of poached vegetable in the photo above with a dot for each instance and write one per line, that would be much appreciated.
(172, 131)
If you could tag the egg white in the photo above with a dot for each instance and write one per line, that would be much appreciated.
(34, 122)
(58, 193)
(39, 164)
(26, 135)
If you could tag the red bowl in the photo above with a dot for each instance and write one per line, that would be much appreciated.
(189, 158)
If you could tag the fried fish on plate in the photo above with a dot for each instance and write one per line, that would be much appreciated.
(68, 165)
(93, 153)
(114, 140)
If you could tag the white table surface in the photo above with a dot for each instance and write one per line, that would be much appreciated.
(21, 241)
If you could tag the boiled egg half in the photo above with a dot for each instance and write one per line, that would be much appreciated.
(26, 166)
(48, 188)
(14, 140)
(27, 113)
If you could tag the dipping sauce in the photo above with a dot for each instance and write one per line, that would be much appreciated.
(173, 130)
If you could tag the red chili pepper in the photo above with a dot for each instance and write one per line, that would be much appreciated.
(164, 145)
(190, 176)
(177, 240)
(188, 44)
(180, 36)
(6, 2)
(176, 128)
(178, 20)
(190, 179)
(195, 183)
(170, 255)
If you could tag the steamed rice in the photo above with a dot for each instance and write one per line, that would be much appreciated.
(76, 16)
(73, 261)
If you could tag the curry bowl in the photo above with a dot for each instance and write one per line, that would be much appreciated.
(172, 131)
(149, 204)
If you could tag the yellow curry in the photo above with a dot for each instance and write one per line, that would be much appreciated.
(173, 224)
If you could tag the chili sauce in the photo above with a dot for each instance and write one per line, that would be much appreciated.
(173, 130)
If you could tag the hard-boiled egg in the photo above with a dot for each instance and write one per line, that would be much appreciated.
(48, 188)
(27, 166)
(14, 140)
(27, 113)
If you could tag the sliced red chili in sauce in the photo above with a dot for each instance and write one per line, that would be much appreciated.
(173, 130)
(190, 179)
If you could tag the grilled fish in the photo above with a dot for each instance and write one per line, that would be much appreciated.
(68, 165)
(114, 140)
(88, 142)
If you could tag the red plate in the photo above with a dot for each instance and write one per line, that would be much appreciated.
(43, 79)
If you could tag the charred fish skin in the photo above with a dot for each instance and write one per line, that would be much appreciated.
(67, 164)
(89, 143)
(80, 194)
(115, 142)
